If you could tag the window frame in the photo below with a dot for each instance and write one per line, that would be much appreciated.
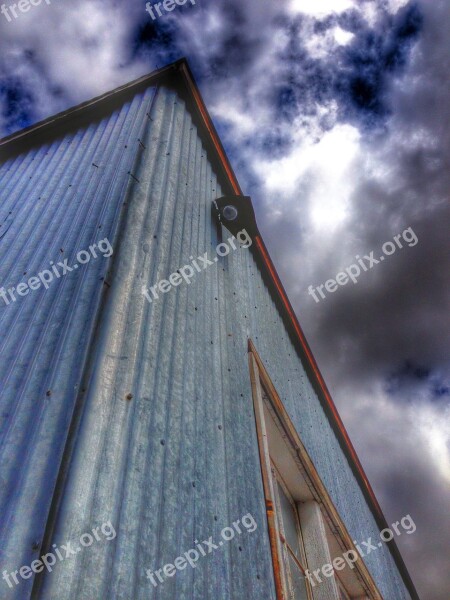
(262, 386)
(284, 543)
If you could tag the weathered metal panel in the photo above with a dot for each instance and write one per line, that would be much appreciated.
(57, 203)
(164, 466)
(165, 445)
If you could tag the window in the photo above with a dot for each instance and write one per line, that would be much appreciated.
(289, 532)
(306, 532)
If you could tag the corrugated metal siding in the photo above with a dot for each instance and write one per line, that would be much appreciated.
(171, 356)
(179, 461)
(58, 203)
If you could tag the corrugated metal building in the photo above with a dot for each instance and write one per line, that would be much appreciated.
(169, 419)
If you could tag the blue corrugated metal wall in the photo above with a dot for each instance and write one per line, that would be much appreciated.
(56, 203)
(178, 461)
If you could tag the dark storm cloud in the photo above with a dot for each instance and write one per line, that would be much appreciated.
(401, 300)
(236, 50)
(19, 97)
(415, 486)
(405, 379)
(17, 101)
(150, 40)
(357, 75)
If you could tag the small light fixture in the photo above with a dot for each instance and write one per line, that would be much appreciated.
(230, 213)
(235, 213)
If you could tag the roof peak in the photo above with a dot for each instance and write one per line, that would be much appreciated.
(108, 98)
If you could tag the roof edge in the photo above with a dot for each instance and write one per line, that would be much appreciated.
(168, 75)
(76, 110)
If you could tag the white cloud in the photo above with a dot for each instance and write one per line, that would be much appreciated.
(319, 8)
(342, 37)
(395, 5)
(326, 165)
(434, 426)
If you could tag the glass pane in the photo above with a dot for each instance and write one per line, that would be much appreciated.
(290, 524)
(297, 581)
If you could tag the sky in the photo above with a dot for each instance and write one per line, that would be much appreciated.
(336, 117)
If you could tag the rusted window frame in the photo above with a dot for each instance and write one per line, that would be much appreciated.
(260, 380)
(276, 475)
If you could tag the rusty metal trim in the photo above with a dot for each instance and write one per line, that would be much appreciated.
(265, 470)
(309, 469)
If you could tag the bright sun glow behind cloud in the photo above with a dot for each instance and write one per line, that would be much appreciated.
(436, 431)
(342, 37)
(318, 8)
(325, 167)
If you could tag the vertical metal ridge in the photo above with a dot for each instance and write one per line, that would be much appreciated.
(29, 492)
(59, 293)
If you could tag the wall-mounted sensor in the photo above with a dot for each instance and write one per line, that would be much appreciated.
(230, 213)
(236, 213)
